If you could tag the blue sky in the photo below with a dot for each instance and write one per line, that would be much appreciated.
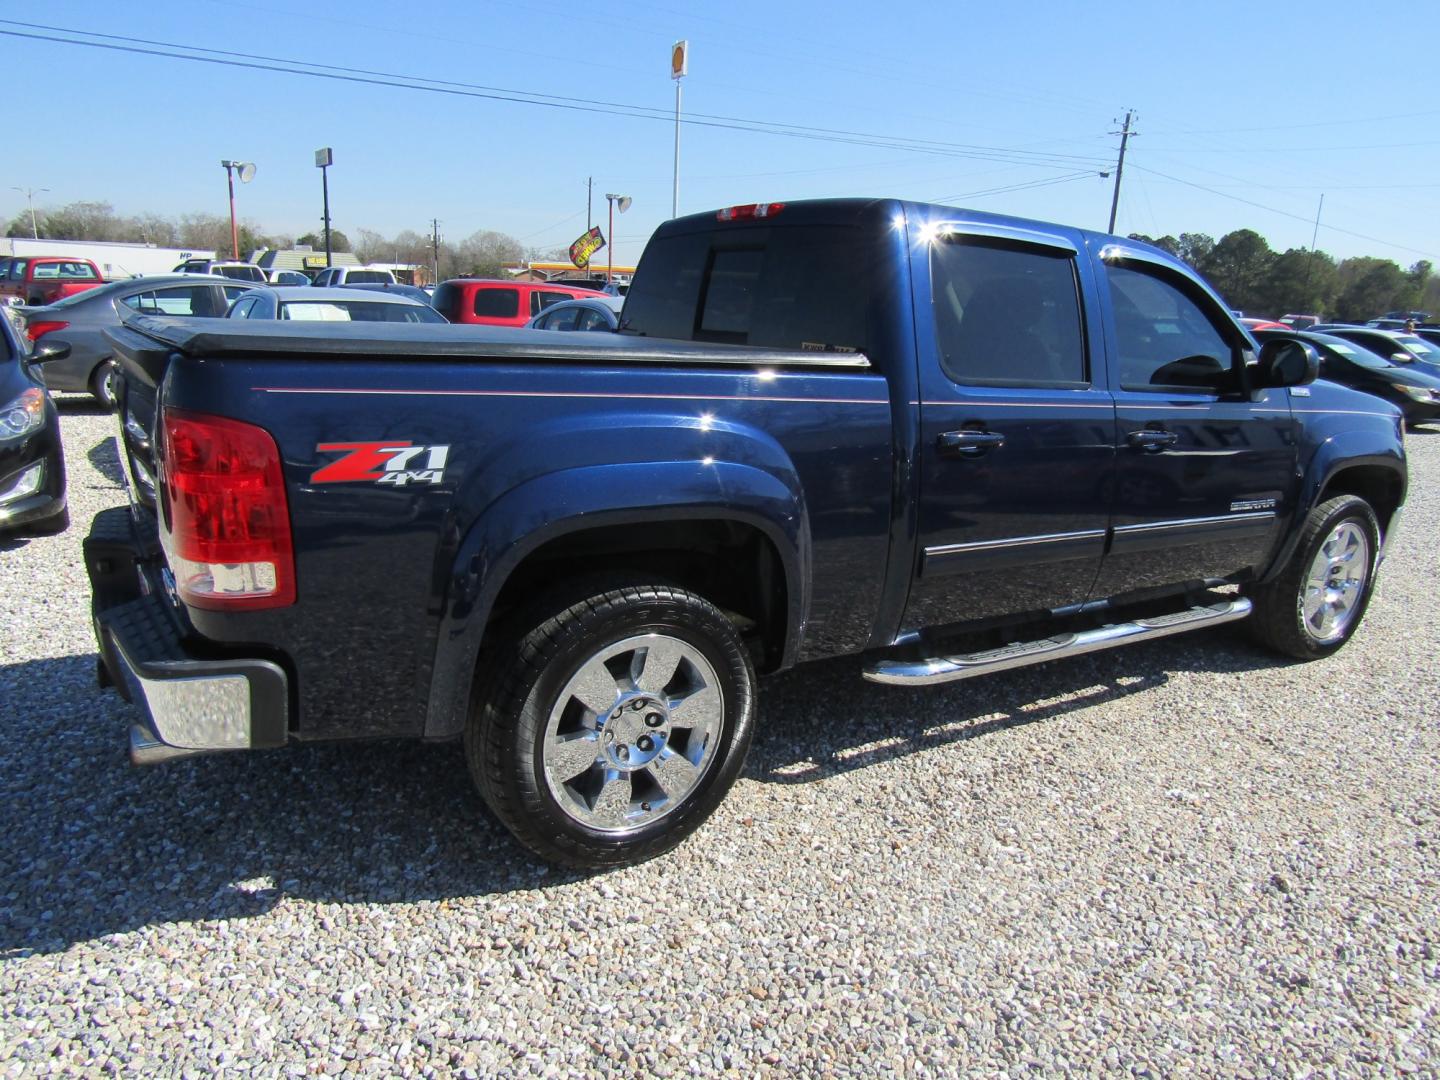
(1255, 102)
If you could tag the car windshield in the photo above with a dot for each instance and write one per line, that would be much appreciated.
(357, 311)
(1421, 348)
(1356, 355)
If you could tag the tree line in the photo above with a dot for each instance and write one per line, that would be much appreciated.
(1259, 281)
(479, 254)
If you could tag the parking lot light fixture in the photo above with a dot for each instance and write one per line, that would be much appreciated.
(624, 201)
(246, 169)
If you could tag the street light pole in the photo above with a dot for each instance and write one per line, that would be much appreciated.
(247, 173)
(624, 201)
(30, 194)
(324, 158)
(679, 68)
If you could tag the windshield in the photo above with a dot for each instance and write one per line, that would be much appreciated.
(1355, 354)
(357, 311)
(1421, 348)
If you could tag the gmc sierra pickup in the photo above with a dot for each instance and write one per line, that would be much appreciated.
(955, 442)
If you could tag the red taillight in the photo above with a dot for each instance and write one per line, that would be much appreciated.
(750, 211)
(40, 327)
(226, 523)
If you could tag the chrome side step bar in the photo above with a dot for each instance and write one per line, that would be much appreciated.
(942, 669)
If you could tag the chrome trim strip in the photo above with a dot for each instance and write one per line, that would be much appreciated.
(1005, 232)
(944, 669)
(1014, 542)
(574, 394)
(972, 403)
(1195, 523)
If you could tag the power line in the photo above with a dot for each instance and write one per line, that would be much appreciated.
(1277, 210)
(254, 61)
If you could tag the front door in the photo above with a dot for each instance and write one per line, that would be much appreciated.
(1204, 471)
(1017, 439)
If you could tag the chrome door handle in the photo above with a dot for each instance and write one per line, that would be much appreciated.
(969, 443)
(1151, 440)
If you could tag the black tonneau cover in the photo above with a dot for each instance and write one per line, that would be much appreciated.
(147, 340)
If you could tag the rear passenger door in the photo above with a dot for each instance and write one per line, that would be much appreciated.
(1204, 469)
(1017, 436)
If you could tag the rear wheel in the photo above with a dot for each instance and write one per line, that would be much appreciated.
(1317, 602)
(609, 729)
(102, 384)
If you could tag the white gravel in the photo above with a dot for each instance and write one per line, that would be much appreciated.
(1187, 857)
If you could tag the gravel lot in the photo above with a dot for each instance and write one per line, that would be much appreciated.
(1178, 858)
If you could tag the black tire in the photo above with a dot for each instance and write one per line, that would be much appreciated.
(1280, 618)
(101, 387)
(525, 694)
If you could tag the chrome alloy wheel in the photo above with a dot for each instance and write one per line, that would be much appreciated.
(633, 732)
(1335, 583)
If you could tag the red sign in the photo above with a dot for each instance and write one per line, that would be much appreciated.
(587, 245)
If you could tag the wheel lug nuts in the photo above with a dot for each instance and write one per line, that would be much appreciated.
(645, 743)
(637, 705)
(654, 719)
(623, 753)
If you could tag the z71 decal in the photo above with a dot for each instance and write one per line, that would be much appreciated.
(395, 463)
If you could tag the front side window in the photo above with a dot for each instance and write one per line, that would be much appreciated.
(1165, 339)
(17, 269)
(497, 303)
(592, 320)
(1007, 315)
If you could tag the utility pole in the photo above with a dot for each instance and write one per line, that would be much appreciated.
(30, 194)
(435, 245)
(1119, 169)
(589, 198)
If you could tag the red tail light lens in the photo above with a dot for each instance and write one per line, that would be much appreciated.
(225, 520)
(38, 329)
(750, 211)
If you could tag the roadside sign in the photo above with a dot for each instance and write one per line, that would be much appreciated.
(586, 246)
(679, 59)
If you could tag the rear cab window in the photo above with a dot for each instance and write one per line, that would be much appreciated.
(775, 286)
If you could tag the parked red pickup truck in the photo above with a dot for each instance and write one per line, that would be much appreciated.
(45, 279)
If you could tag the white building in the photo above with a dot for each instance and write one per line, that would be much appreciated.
(115, 260)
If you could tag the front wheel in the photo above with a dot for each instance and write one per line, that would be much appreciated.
(608, 730)
(1316, 603)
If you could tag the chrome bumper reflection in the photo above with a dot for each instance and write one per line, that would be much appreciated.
(192, 713)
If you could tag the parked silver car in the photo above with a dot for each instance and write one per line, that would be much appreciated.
(318, 304)
(80, 321)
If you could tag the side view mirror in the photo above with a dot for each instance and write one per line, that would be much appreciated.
(49, 350)
(1285, 362)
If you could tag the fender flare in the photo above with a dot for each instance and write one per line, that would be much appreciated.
(1333, 456)
(567, 501)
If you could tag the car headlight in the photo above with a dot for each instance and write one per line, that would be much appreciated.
(1416, 393)
(23, 415)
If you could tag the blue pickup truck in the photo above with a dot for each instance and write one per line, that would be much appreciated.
(954, 442)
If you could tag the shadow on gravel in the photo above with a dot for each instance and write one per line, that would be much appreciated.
(106, 460)
(93, 846)
(824, 720)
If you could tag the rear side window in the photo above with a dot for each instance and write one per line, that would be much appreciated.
(563, 320)
(500, 303)
(17, 269)
(801, 287)
(1007, 315)
(543, 298)
(368, 277)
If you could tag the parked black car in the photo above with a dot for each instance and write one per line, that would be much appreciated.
(32, 462)
(1413, 386)
(1394, 345)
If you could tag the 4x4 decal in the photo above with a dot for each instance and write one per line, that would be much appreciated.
(395, 463)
